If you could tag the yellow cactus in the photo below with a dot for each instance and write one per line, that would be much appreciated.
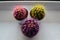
(38, 11)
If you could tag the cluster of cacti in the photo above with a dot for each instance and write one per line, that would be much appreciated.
(30, 27)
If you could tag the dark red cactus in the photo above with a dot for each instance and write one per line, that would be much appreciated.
(20, 13)
(30, 28)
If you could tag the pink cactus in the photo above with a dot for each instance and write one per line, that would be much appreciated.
(20, 13)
